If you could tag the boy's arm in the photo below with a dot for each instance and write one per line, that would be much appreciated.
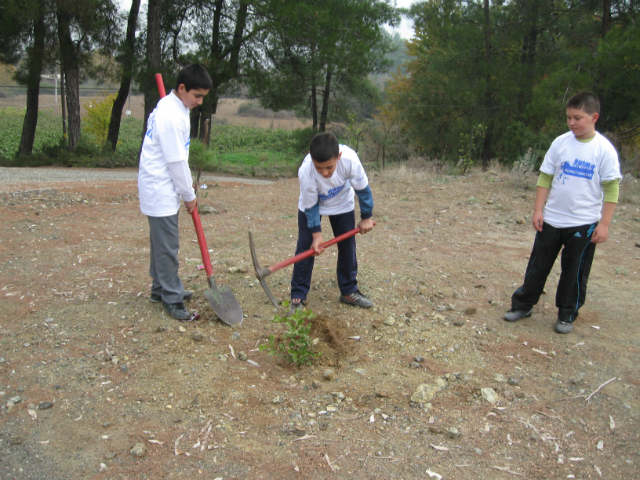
(611, 189)
(181, 177)
(317, 241)
(171, 139)
(538, 216)
(313, 223)
(601, 232)
(365, 199)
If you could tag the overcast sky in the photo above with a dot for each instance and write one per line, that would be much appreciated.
(406, 26)
(405, 29)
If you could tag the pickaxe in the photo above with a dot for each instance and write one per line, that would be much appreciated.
(263, 273)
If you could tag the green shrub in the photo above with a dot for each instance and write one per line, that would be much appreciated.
(294, 345)
(96, 121)
(470, 145)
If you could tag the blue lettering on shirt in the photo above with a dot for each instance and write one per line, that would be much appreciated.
(186, 145)
(331, 193)
(150, 124)
(579, 168)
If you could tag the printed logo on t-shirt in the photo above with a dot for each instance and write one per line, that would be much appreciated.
(150, 124)
(186, 145)
(331, 193)
(579, 168)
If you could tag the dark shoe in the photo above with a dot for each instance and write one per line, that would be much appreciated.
(356, 298)
(515, 315)
(563, 327)
(186, 295)
(177, 310)
(296, 304)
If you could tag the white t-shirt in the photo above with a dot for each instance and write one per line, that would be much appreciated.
(335, 194)
(578, 171)
(163, 174)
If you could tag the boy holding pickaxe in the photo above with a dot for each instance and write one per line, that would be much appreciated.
(329, 176)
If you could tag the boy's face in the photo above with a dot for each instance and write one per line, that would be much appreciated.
(192, 98)
(327, 168)
(581, 123)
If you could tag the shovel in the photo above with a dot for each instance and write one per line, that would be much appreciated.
(222, 300)
(263, 272)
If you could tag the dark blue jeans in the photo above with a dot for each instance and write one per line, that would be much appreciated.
(577, 256)
(347, 268)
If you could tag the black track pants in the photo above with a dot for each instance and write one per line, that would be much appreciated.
(576, 259)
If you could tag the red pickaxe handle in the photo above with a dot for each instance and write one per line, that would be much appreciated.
(311, 251)
(204, 250)
(160, 83)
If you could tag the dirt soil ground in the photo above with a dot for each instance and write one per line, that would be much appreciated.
(96, 382)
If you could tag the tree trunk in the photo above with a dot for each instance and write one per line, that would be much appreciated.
(606, 17)
(314, 108)
(488, 100)
(528, 58)
(325, 100)
(63, 101)
(127, 73)
(72, 76)
(151, 96)
(194, 118)
(36, 56)
(207, 110)
(220, 69)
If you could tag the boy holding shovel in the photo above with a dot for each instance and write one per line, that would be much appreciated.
(164, 178)
(329, 176)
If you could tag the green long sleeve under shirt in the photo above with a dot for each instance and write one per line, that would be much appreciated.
(611, 187)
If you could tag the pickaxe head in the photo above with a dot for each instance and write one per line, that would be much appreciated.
(261, 273)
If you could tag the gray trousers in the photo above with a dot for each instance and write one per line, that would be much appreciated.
(165, 243)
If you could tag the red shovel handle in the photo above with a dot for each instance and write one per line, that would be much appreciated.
(311, 251)
(204, 250)
(202, 242)
(160, 83)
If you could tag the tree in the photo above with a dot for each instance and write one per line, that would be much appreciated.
(128, 57)
(83, 27)
(153, 60)
(317, 52)
(69, 58)
(488, 95)
(24, 35)
(225, 30)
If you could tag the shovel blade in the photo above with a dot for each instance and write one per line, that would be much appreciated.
(224, 304)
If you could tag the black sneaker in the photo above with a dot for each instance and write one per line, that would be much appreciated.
(563, 327)
(155, 298)
(357, 299)
(515, 315)
(178, 311)
(296, 304)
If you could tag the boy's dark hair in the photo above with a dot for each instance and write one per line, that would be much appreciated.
(194, 76)
(586, 102)
(324, 146)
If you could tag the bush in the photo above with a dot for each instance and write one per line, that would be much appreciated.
(294, 345)
(201, 158)
(96, 121)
